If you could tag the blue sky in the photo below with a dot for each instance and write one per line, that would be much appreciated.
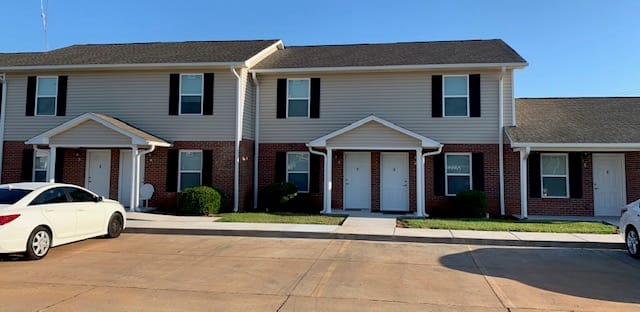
(574, 47)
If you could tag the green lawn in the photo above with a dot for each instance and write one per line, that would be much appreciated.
(510, 225)
(261, 217)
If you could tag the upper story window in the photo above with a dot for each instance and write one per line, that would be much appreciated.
(555, 175)
(458, 173)
(46, 96)
(191, 86)
(40, 165)
(298, 98)
(298, 170)
(456, 96)
(190, 173)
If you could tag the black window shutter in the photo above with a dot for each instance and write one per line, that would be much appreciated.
(575, 175)
(174, 94)
(61, 106)
(534, 175)
(207, 167)
(172, 170)
(315, 163)
(0, 98)
(31, 95)
(27, 165)
(281, 96)
(477, 163)
(436, 96)
(474, 95)
(207, 96)
(59, 174)
(281, 166)
(438, 175)
(315, 98)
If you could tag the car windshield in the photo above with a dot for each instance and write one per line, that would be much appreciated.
(11, 196)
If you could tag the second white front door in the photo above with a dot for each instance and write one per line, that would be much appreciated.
(98, 172)
(394, 182)
(609, 193)
(124, 180)
(357, 180)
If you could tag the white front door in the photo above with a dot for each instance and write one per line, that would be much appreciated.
(124, 180)
(609, 186)
(98, 172)
(357, 180)
(394, 181)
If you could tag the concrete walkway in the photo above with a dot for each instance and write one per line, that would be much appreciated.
(363, 228)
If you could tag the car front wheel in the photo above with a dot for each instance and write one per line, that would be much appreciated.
(633, 242)
(39, 243)
(115, 225)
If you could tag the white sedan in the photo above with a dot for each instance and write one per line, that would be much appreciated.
(629, 226)
(37, 216)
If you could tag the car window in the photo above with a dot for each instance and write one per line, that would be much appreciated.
(78, 195)
(51, 196)
(11, 196)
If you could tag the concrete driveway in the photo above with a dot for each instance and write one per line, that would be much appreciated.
(144, 272)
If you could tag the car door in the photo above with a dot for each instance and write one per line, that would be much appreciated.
(56, 208)
(90, 214)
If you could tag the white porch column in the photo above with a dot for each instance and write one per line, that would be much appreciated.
(137, 185)
(132, 199)
(328, 181)
(52, 163)
(524, 155)
(419, 184)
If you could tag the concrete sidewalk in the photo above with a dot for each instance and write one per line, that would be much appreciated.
(363, 228)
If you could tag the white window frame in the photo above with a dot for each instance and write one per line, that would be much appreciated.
(201, 95)
(308, 98)
(444, 96)
(33, 168)
(299, 171)
(566, 175)
(55, 102)
(180, 171)
(447, 174)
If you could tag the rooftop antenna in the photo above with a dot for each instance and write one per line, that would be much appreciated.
(44, 6)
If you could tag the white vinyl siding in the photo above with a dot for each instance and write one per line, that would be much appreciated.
(554, 175)
(40, 165)
(298, 170)
(190, 169)
(401, 98)
(191, 89)
(46, 96)
(138, 98)
(455, 96)
(373, 134)
(249, 121)
(298, 91)
(458, 173)
(90, 133)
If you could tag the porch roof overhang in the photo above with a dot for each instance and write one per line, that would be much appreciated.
(131, 136)
(421, 141)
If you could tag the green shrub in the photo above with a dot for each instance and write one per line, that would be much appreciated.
(226, 204)
(279, 196)
(471, 204)
(198, 201)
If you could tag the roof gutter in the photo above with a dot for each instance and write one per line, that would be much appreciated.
(539, 146)
(3, 110)
(121, 66)
(391, 67)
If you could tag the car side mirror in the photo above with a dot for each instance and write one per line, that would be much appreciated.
(98, 199)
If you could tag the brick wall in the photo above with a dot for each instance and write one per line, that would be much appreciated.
(632, 168)
(245, 192)
(12, 161)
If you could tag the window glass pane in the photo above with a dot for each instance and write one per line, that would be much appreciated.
(300, 180)
(191, 160)
(52, 196)
(455, 86)
(47, 86)
(554, 164)
(298, 88)
(78, 195)
(554, 187)
(298, 108)
(458, 164)
(298, 162)
(11, 196)
(46, 106)
(39, 176)
(457, 184)
(455, 106)
(190, 105)
(189, 179)
(42, 160)
(191, 84)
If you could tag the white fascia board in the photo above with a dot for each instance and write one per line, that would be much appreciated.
(121, 66)
(578, 146)
(390, 67)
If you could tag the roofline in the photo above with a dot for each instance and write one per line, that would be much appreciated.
(122, 66)
(389, 67)
(258, 57)
(578, 146)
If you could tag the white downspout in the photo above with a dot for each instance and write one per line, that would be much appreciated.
(3, 108)
(325, 188)
(524, 155)
(236, 165)
(423, 206)
(256, 142)
(501, 138)
(513, 100)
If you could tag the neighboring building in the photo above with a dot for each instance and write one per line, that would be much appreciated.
(399, 127)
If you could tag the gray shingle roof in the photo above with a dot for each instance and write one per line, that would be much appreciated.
(407, 53)
(141, 53)
(577, 120)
